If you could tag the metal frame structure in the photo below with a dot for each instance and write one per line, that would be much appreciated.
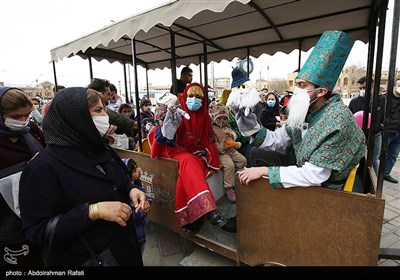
(184, 32)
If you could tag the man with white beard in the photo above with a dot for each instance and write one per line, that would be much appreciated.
(327, 140)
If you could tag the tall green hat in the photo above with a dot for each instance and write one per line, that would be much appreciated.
(327, 59)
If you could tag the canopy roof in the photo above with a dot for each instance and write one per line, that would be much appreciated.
(230, 28)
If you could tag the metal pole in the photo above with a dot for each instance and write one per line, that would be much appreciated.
(90, 68)
(137, 94)
(205, 71)
(389, 93)
(173, 64)
(55, 76)
(127, 95)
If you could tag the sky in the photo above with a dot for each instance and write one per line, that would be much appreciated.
(29, 29)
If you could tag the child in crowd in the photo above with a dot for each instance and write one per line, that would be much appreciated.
(230, 159)
(141, 218)
(283, 115)
(126, 110)
(145, 113)
(36, 116)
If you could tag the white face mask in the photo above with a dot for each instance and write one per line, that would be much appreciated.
(398, 90)
(101, 123)
(362, 92)
(15, 125)
(127, 114)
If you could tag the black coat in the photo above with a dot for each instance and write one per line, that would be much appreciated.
(268, 114)
(65, 181)
(394, 125)
(357, 104)
(268, 117)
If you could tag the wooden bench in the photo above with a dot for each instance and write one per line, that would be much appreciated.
(310, 226)
(307, 226)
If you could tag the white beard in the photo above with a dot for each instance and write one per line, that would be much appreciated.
(298, 108)
(243, 98)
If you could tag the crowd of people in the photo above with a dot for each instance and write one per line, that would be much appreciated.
(76, 189)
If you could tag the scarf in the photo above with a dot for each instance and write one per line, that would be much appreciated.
(33, 145)
(68, 123)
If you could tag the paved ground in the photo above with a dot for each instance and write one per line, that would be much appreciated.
(391, 221)
(165, 248)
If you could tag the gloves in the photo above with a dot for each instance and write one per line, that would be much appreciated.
(171, 123)
(247, 125)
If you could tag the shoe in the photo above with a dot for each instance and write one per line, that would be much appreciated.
(230, 226)
(216, 219)
(230, 193)
(194, 227)
(390, 179)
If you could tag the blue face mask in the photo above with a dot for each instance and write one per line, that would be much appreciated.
(193, 103)
(271, 103)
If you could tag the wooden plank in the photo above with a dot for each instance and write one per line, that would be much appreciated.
(307, 226)
(159, 179)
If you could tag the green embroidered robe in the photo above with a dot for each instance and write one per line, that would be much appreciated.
(333, 140)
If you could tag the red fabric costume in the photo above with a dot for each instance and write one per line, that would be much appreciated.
(193, 197)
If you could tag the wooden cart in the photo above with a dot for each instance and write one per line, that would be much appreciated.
(295, 227)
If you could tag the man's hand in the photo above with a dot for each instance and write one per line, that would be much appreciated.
(249, 174)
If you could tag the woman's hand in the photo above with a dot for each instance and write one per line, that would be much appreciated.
(138, 199)
(112, 129)
(113, 211)
(110, 139)
(249, 174)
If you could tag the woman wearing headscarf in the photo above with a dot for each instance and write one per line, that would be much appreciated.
(81, 180)
(270, 112)
(20, 140)
(191, 141)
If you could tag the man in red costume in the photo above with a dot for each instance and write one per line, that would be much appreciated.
(190, 141)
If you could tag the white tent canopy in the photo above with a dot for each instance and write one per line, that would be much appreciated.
(229, 28)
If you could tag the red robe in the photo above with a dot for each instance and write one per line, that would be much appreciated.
(193, 197)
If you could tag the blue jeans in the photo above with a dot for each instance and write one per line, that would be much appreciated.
(377, 151)
(393, 149)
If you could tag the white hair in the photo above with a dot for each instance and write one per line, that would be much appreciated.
(246, 97)
(298, 108)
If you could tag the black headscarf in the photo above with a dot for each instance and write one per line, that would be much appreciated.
(268, 114)
(33, 145)
(68, 122)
